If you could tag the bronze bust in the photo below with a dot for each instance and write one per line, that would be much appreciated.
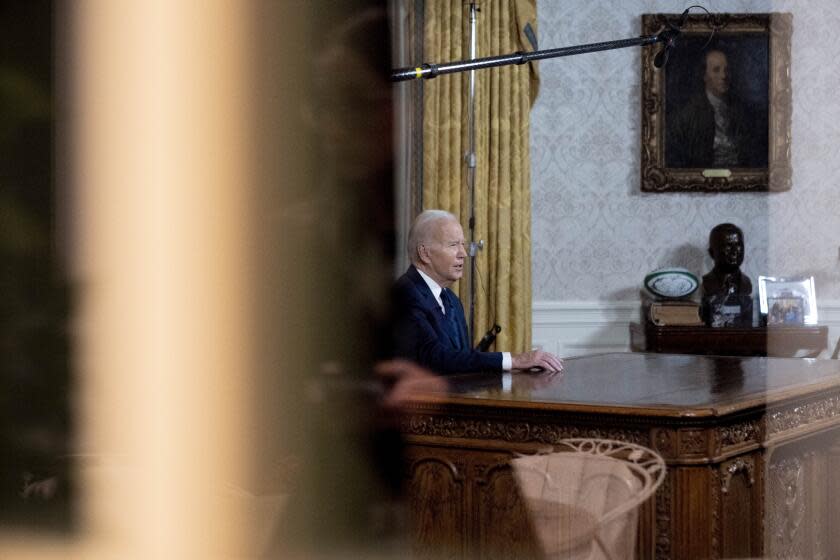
(727, 292)
(726, 247)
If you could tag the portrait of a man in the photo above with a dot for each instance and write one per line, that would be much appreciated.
(716, 103)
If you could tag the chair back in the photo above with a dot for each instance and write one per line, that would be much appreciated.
(583, 498)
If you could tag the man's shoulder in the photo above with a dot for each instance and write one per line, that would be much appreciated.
(408, 279)
(408, 287)
(744, 108)
(695, 109)
(733, 99)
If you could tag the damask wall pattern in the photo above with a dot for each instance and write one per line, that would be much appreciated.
(595, 235)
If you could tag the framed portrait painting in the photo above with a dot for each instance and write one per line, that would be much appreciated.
(717, 116)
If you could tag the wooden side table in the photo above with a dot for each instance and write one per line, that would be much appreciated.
(778, 341)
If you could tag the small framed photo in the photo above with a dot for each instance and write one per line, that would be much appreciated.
(785, 310)
(788, 301)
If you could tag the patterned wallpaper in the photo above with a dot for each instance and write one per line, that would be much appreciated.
(595, 235)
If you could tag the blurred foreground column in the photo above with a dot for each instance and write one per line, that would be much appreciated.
(160, 136)
(227, 194)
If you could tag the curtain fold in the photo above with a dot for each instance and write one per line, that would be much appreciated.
(503, 98)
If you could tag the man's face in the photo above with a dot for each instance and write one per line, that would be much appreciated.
(717, 73)
(444, 256)
(728, 251)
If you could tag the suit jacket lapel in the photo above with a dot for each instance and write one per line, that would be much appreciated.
(462, 325)
(461, 322)
(452, 319)
(429, 300)
(431, 304)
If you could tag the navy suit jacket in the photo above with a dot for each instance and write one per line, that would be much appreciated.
(421, 336)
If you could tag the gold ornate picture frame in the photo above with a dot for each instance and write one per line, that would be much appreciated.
(736, 141)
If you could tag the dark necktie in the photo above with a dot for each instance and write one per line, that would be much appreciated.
(452, 323)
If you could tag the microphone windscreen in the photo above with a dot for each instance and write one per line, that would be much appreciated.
(661, 57)
(684, 17)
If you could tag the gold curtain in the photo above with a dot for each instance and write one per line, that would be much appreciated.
(503, 98)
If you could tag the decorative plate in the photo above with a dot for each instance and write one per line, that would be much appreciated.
(671, 282)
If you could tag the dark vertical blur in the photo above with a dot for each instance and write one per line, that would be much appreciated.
(322, 240)
(327, 245)
(34, 370)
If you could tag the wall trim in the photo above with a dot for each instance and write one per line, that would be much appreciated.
(597, 312)
(575, 328)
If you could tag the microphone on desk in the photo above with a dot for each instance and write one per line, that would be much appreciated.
(488, 338)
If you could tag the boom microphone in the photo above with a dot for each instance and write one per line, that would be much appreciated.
(668, 36)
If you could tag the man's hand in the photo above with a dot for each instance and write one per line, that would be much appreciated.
(537, 359)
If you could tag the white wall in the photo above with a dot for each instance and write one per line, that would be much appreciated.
(595, 235)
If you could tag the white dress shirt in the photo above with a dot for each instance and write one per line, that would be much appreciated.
(724, 149)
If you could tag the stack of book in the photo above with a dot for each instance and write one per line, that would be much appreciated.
(673, 312)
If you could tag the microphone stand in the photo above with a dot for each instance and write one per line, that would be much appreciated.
(470, 160)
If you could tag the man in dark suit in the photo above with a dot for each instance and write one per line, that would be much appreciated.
(430, 327)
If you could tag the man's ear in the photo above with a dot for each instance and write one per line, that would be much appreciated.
(423, 254)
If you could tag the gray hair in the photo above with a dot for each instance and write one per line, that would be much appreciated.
(422, 230)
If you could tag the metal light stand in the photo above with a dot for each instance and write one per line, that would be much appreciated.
(470, 160)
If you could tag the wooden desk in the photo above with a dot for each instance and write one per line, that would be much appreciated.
(780, 341)
(752, 447)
